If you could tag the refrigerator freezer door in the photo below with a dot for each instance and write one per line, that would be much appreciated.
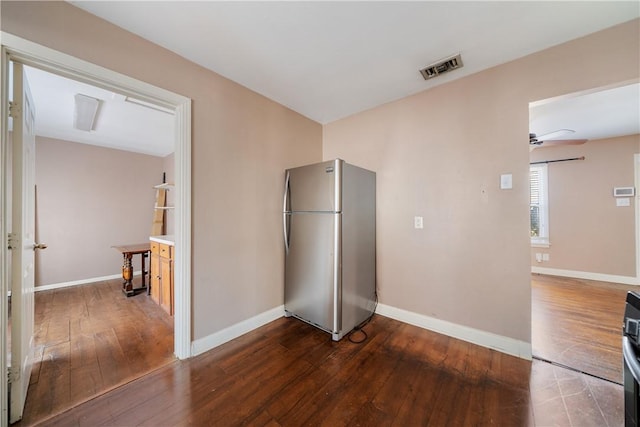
(314, 188)
(311, 291)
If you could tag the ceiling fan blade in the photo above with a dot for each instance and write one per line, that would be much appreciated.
(563, 142)
(555, 134)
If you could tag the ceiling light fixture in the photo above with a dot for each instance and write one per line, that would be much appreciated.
(85, 112)
(149, 105)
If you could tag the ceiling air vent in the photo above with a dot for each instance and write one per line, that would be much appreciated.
(441, 67)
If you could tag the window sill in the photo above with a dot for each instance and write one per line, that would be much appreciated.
(540, 244)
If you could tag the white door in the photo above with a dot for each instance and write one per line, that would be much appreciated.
(22, 241)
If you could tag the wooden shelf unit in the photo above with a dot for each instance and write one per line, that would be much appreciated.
(165, 186)
(158, 224)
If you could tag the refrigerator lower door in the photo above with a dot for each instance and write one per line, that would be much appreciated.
(312, 291)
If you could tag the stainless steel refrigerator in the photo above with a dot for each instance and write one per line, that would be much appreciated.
(329, 217)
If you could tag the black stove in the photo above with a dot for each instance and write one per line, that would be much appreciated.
(631, 352)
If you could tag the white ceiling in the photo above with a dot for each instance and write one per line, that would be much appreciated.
(328, 60)
(603, 114)
(119, 124)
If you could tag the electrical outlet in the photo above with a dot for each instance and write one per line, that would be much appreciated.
(417, 222)
(545, 257)
(538, 257)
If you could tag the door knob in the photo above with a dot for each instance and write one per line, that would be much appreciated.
(39, 246)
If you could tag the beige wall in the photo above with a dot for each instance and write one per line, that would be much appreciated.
(89, 199)
(241, 144)
(439, 154)
(587, 232)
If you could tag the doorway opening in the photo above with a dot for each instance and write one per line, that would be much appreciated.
(37, 56)
(93, 195)
(587, 261)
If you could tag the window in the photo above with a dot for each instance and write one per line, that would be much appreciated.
(539, 209)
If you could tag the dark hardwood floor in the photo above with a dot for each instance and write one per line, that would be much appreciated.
(288, 373)
(91, 339)
(578, 323)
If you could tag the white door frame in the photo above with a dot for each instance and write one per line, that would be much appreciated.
(39, 56)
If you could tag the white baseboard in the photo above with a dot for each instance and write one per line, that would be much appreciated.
(209, 342)
(475, 336)
(486, 339)
(81, 282)
(625, 280)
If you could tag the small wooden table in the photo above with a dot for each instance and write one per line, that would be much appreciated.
(128, 251)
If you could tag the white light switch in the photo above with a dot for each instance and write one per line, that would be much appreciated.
(417, 222)
(506, 181)
(623, 201)
(545, 257)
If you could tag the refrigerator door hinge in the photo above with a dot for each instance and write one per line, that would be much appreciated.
(14, 109)
(12, 241)
(13, 374)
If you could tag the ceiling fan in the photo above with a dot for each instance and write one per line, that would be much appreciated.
(551, 138)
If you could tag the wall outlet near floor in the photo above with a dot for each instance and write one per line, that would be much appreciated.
(540, 257)
(417, 222)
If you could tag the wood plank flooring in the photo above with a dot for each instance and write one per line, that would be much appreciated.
(288, 373)
(90, 339)
(578, 323)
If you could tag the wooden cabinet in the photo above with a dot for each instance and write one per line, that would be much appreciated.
(161, 275)
(154, 272)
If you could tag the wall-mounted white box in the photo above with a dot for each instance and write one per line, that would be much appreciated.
(623, 201)
(506, 181)
(624, 191)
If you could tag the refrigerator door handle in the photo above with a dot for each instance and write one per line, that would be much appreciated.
(287, 192)
(285, 220)
(285, 214)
